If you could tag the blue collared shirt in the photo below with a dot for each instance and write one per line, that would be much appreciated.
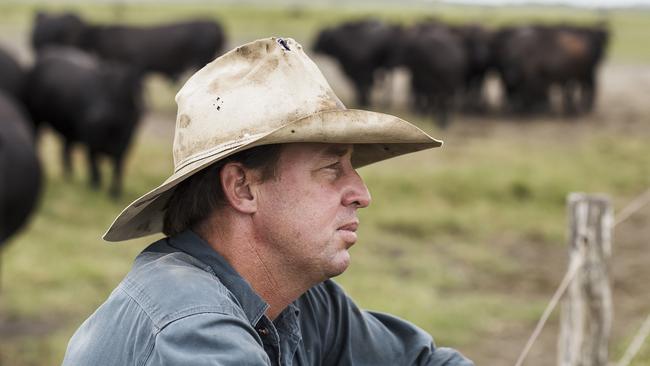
(183, 304)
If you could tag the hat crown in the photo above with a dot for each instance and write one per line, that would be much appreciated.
(249, 91)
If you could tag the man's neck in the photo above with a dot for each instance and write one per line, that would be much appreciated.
(276, 287)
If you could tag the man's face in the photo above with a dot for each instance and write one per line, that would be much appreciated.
(307, 215)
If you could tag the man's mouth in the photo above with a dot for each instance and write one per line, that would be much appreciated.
(349, 232)
(353, 226)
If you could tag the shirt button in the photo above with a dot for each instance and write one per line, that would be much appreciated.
(263, 331)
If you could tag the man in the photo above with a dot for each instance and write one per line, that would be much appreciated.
(259, 213)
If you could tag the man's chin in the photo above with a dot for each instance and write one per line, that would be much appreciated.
(341, 264)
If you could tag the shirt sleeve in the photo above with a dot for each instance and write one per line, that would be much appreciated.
(208, 339)
(355, 337)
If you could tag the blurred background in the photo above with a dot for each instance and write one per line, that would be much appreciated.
(533, 101)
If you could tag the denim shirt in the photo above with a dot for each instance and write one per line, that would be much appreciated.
(183, 304)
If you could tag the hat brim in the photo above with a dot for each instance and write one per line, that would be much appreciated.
(377, 136)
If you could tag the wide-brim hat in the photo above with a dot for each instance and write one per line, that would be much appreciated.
(264, 92)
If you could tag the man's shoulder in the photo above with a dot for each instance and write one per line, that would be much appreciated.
(165, 289)
(172, 285)
(325, 298)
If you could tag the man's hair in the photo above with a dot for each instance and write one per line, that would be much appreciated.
(197, 197)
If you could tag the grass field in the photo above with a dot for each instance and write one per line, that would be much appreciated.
(467, 241)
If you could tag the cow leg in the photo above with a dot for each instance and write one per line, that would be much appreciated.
(568, 92)
(525, 99)
(441, 104)
(391, 81)
(537, 97)
(385, 80)
(66, 157)
(422, 103)
(543, 99)
(419, 102)
(116, 184)
(363, 94)
(515, 99)
(481, 95)
(588, 93)
(473, 96)
(443, 117)
(95, 175)
(173, 79)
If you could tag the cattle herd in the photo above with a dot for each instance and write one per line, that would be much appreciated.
(448, 64)
(86, 84)
(86, 81)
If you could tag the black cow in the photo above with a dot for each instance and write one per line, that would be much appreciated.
(51, 29)
(12, 75)
(362, 48)
(169, 49)
(437, 60)
(532, 58)
(579, 50)
(87, 100)
(20, 170)
(477, 41)
(525, 91)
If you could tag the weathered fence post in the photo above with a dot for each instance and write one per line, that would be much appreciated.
(586, 316)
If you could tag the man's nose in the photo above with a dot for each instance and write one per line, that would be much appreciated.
(356, 193)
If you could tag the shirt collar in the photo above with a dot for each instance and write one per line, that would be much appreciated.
(252, 304)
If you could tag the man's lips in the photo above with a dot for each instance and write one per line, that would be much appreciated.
(353, 226)
(348, 232)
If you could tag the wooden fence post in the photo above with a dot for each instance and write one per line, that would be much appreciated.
(586, 315)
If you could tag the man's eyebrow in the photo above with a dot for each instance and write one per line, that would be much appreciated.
(337, 150)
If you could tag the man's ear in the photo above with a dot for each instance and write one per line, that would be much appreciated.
(236, 184)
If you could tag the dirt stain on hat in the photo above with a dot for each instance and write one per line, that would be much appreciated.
(184, 121)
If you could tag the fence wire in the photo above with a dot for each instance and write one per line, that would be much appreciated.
(566, 281)
(636, 344)
(632, 207)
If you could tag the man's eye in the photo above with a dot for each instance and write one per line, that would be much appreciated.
(335, 169)
(335, 166)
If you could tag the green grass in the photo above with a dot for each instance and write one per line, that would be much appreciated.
(440, 245)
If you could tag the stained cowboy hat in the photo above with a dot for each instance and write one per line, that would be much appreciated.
(264, 92)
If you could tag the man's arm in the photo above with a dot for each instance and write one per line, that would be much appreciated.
(207, 339)
(411, 344)
(350, 336)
